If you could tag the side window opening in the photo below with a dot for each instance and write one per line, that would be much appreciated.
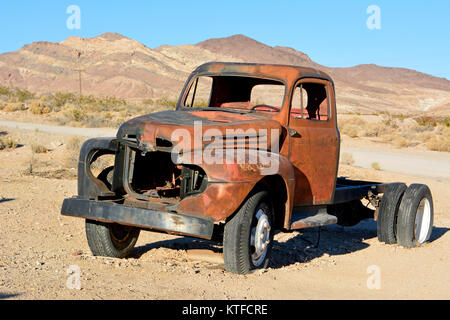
(199, 93)
(299, 101)
(310, 101)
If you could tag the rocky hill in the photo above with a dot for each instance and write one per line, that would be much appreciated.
(114, 65)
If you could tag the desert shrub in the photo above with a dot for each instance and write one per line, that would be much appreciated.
(102, 163)
(15, 106)
(350, 130)
(96, 121)
(439, 143)
(425, 136)
(149, 102)
(418, 128)
(374, 129)
(390, 122)
(388, 137)
(74, 143)
(445, 122)
(347, 159)
(400, 141)
(5, 91)
(23, 95)
(352, 127)
(62, 98)
(38, 107)
(7, 143)
(376, 166)
(74, 113)
(427, 121)
(73, 147)
(38, 148)
(166, 102)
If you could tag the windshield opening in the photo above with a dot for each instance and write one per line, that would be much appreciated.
(235, 92)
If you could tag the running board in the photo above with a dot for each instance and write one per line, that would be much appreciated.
(310, 217)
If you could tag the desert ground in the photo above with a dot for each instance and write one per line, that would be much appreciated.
(38, 244)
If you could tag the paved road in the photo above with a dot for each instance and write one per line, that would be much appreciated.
(423, 164)
(415, 163)
(87, 132)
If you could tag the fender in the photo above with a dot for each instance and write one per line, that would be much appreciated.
(232, 182)
(89, 187)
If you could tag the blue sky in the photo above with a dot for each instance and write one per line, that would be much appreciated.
(413, 34)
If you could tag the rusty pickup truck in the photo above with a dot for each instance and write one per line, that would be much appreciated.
(250, 149)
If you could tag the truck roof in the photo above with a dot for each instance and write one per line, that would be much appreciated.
(283, 72)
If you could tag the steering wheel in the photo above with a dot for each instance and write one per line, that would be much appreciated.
(265, 106)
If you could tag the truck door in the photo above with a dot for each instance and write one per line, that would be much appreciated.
(314, 141)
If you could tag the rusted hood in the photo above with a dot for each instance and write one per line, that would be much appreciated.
(157, 130)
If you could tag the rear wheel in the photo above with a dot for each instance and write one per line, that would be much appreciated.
(111, 240)
(248, 236)
(415, 216)
(387, 213)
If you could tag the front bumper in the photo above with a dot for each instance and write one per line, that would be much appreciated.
(195, 226)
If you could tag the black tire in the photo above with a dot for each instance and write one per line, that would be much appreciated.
(106, 176)
(417, 198)
(388, 211)
(111, 240)
(240, 255)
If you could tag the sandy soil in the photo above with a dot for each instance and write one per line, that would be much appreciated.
(37, 246)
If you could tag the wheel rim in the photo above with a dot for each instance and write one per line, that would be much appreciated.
(120, 234)
(422, 221)
(260, 238)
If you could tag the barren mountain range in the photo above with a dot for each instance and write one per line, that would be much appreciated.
(114, 65)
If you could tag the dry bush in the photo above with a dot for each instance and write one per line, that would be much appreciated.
(347, 159)
(415, 127)
(424, 136)
(7, 143)
(75, 143)
(352, 127)
(73, 147)
(351, 130)
(390, 121)
(373, 129)
(102, 163)
(39, 107)
(38, 148)
(15, 106)
(444, 131)
(439, 143)
(400, 142)
(388, 137)
(98, 120)
(74, 113)
(376, 166)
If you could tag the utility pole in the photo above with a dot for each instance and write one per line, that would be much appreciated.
(79, 78)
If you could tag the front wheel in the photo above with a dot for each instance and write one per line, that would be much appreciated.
(110, 239)
(248, 236)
